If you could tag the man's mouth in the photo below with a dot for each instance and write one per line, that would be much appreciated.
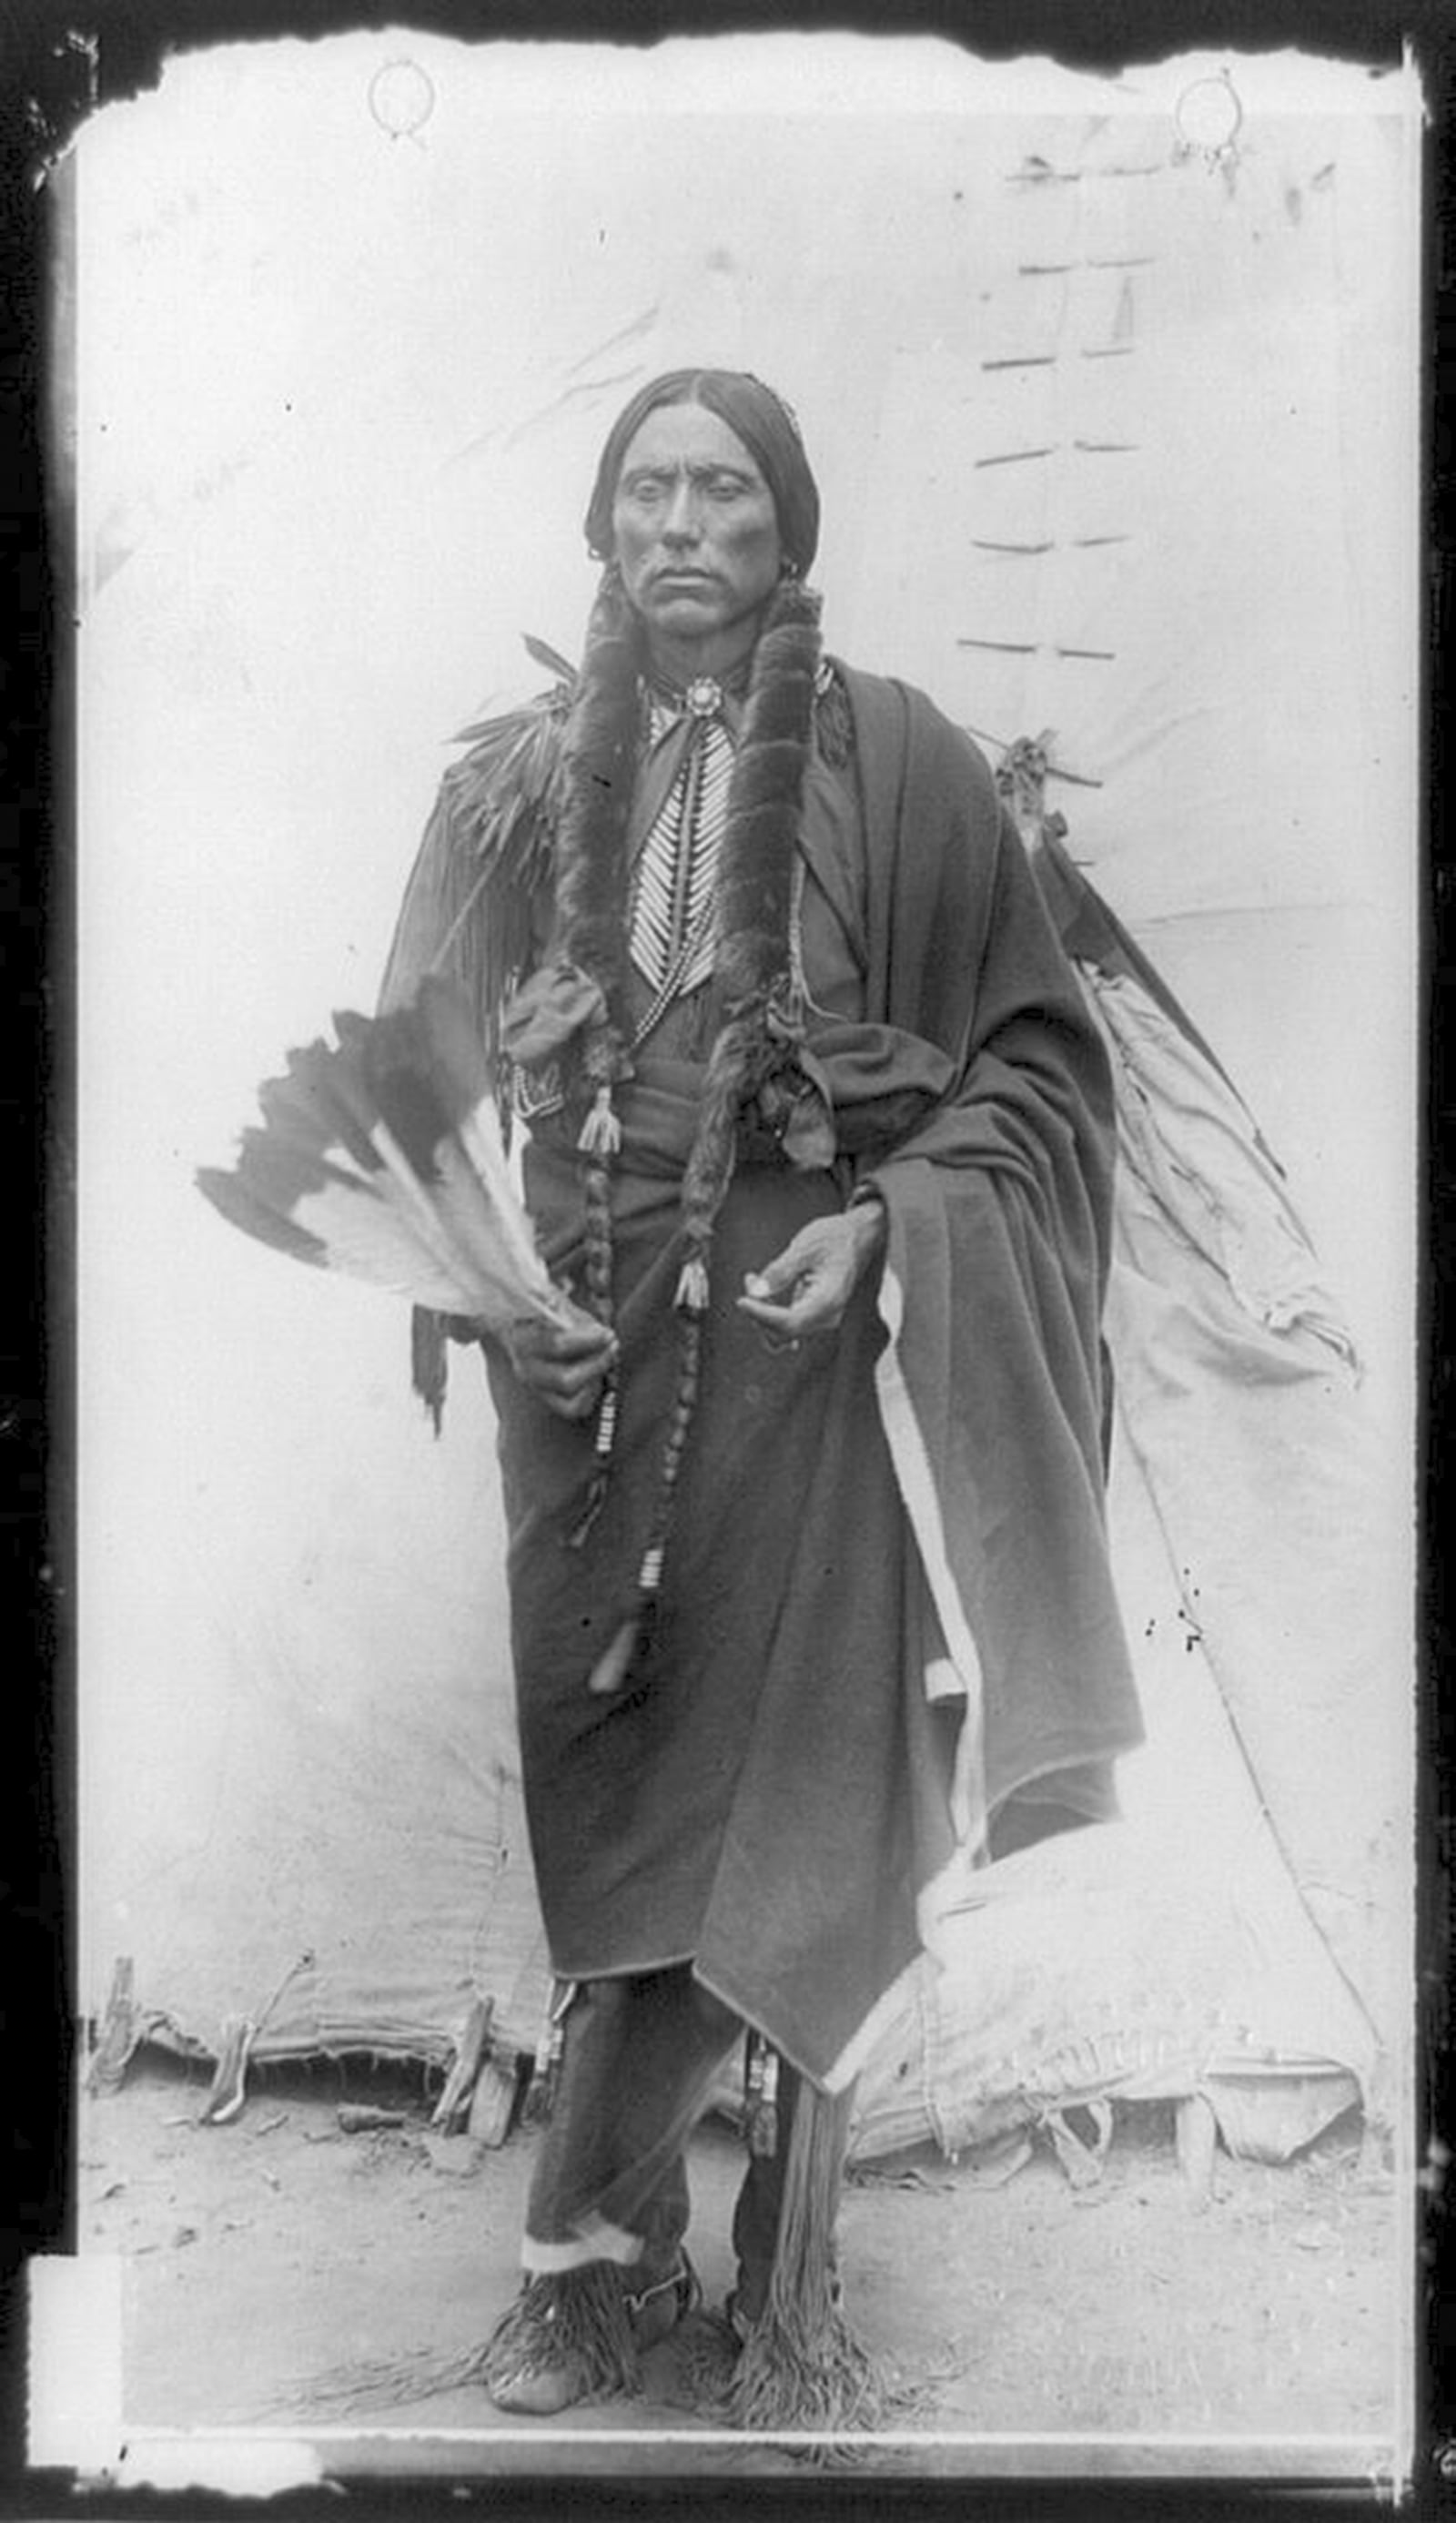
(683, 578)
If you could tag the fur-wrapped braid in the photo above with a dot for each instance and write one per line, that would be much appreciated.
(597, 766)
(755, 874)
(596, 777)
(758, 1025)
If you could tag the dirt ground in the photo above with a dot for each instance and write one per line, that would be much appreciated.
(1118, 2325)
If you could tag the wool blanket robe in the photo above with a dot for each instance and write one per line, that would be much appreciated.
(886, 1602)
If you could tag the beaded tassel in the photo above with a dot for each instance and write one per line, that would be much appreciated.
(692, 1286)
(601, 1462)
(596, 1188)
(611, 1669)
(600, 1133)
(685, 1402)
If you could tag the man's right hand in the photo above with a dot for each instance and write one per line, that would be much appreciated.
(564, 1364)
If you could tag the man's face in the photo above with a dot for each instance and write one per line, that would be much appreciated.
(696, 535)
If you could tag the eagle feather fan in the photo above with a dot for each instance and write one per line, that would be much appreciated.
(383, 1158)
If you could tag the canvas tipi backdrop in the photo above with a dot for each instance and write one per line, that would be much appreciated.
(1108, 390)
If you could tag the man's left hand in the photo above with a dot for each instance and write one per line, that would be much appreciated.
(806, 1287)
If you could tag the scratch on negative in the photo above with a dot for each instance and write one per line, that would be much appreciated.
(632, 332)
(569, 395)
(1019, 455)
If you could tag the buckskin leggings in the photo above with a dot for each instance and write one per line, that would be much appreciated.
(610, 2182)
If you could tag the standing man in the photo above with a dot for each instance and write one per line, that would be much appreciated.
(808, 1574)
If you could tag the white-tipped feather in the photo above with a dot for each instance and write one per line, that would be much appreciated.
(425, 1210)
(383, 1158)
(376, 1245)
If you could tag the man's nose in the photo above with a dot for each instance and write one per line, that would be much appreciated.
(680, 523)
